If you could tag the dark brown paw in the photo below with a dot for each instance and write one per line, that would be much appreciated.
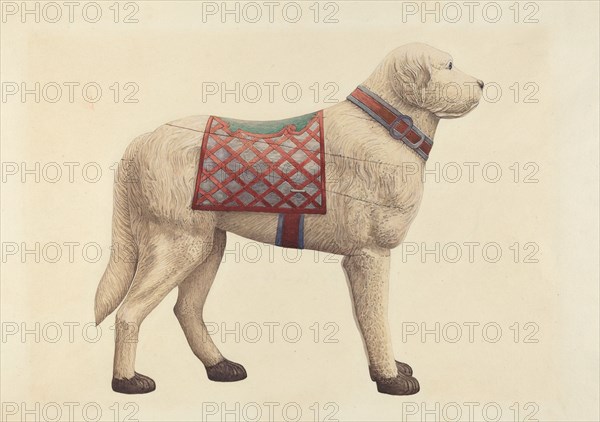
(226, 371)
(401, 385)
(139, 384)
(403, 368)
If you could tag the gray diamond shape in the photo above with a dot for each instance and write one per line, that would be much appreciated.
(235, 144)
(272, 198)
(287, 167)
(298, 199)
(246, 176)
(259, 187)
(222, 154)
(220, 175)
(260, 145)
(274, 156)
(262, 167)
(207, 185)
(312, 145)
(233, 186)
(299, 156)
(245, 197)
(311, 188)
(235, 166)
(303, 136)
(248, 155)
(208, 164)
(220, 196)
(284, 187)
(312, 168)
(298, 178)
(287, 145)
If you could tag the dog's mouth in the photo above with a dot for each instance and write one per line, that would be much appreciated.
(449, 115)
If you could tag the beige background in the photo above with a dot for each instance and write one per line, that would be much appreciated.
(168, 54)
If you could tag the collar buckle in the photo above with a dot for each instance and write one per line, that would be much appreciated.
(401, 136)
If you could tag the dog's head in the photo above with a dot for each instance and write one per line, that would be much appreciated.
(427, 78)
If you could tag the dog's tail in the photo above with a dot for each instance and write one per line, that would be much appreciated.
(122, 265)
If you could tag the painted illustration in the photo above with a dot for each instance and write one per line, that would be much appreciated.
(182, 187)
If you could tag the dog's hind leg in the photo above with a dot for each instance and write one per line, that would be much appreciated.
(168, 255)
(189, 307)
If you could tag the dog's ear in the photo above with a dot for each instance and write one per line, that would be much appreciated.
(413, 70)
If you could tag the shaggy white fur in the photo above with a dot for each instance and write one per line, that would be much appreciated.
(374, 188)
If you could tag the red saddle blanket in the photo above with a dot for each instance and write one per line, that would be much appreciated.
(272, 166)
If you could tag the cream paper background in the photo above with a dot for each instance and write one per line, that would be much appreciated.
(169, 54)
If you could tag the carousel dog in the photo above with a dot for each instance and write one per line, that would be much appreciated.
(386, 126)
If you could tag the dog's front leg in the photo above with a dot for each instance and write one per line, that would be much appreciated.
(368, 277)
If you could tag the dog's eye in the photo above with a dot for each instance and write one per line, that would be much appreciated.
(450, 65)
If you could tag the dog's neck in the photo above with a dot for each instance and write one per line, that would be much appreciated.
(426, 121)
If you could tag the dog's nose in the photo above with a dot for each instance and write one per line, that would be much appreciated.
(480, 83)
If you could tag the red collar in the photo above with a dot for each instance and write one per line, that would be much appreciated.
(399, 125)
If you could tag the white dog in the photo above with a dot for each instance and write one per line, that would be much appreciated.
(371, 203)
